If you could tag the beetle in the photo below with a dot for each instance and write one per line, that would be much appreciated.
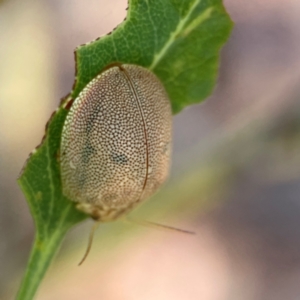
(116, 142)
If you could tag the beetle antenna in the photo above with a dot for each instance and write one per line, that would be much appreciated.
(159, 226)
(90, 242)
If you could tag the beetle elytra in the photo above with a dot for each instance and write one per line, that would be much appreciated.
(116, 142)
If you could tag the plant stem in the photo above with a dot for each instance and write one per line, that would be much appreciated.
(42, 253)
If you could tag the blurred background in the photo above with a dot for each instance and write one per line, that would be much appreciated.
(235, 178)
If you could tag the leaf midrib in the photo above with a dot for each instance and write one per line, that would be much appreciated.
(158, 56)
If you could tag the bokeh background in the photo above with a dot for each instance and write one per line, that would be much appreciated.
(235, 178)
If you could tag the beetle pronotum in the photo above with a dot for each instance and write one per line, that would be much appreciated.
(116, 142)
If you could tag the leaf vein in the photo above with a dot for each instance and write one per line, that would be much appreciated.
(158, 56)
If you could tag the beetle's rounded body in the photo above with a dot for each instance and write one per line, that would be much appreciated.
(116, 142)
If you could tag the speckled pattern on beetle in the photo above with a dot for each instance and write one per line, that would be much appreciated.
(116, 142)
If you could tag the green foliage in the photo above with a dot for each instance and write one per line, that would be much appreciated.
(177, 40)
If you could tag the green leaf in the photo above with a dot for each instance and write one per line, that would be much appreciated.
(180, 42)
